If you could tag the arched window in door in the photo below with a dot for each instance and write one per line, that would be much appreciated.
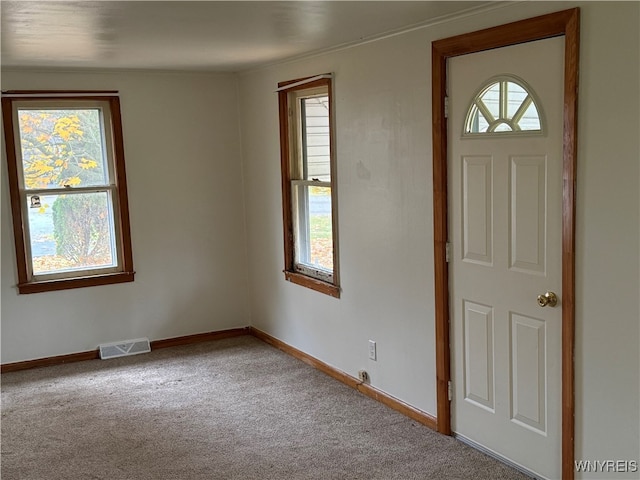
(504, 105)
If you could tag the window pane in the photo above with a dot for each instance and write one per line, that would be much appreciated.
(491, 98)
(515, 96)
(531, 119)
(316, 145)
(71, 232)
(63, 147)
(477, 122)
(320, 238)
(314, 236)
(502, 127)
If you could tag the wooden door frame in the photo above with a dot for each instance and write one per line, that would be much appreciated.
(565, 23)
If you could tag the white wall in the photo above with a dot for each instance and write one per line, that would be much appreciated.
(608, 315)
(182, 152)
(385, 221)
(383, 105)
(189, 252)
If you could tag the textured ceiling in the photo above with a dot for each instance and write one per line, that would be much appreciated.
(201, 35)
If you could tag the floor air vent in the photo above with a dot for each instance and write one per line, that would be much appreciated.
(124, 348)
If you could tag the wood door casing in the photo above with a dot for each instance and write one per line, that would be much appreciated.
(565, 23)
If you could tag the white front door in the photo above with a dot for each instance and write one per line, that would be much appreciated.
(505, 216)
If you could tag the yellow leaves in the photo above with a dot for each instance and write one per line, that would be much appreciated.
(59, 146)
(86, 164)
(28, 123)
(66, 127)
(33, 181)
(39, 167)
(72, 181)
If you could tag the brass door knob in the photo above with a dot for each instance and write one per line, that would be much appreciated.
(549, 298)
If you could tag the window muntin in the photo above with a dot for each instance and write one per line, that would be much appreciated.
(68, 187)
(308, 173)
(505, 105)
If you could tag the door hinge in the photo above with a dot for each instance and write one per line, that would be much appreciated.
(450, 390)
(447, 252)
(446, 107)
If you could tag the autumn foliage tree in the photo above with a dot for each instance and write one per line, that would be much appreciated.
(62, 149)
(80, 228)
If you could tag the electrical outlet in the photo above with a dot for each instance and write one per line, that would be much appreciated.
(363, 375)
(373, 355)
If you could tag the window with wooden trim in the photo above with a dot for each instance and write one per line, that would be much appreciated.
(308, 184)
(68, 189)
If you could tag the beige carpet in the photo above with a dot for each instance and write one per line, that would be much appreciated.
(230, 409)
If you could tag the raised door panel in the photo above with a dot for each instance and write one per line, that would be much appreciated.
(478, 355)
(528, 202)
(528, 372)
(477, 217)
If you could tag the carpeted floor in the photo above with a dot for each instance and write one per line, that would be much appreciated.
(230, 409)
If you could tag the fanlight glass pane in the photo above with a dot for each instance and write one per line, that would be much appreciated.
(491, 99)
(71, 232)
(531, 119)
(62, 148)
(478, 122)
(503, 106)
(516, 95)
